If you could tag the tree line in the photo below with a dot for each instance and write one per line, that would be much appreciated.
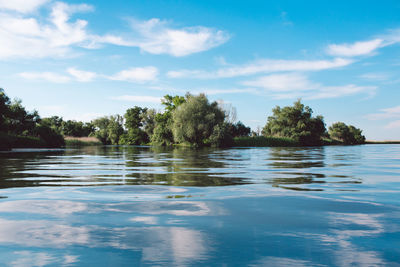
(187, 120)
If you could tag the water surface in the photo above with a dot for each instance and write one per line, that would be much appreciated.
(110, 206)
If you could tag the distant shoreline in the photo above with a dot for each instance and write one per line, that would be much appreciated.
(383, 142)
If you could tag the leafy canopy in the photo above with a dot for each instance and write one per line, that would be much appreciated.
(295, 122)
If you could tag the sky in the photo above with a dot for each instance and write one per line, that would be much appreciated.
(85, 59)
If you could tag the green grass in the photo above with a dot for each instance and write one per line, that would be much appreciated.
(79, 143)
(262, 141)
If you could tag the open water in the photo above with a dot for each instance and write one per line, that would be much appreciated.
(143, 206)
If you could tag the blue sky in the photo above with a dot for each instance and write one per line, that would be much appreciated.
(81, 60)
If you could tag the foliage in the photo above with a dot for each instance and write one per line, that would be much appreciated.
(348, 134)
(108, 129)
(69, 127)
(239, 129)
(76, 128)
(49, 136)
(4, 104)
(295, 122)
(194, 120)
(162, 132)
(148, 120)
(221, 135)
(80, 143)
(20, 121)
(133, 123)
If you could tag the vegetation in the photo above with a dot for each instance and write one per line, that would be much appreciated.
(297, 123)
(190, 120)
(81, 141)
(20, 128)
(195, 120)
(348, 134)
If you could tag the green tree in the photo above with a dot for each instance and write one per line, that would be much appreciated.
(348, 134)
(133, 124)
(4, 108)
(149, 121)
(239, 129)
(162, 132)
(295, 122)
(108, 129)
(20, 121)
(194, 120)
(53, 122)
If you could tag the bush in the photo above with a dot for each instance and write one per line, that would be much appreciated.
(348, 134)
(221, 136)
(50, 137)
(295, 122)
(194, 120)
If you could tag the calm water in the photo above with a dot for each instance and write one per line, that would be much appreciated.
(130, 206)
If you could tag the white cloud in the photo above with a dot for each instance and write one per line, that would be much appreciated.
(29, 37)
(282, 82)
(22, 6)
(263, 66)
(295, 85)
(82, 76)
(386, 113)
(375, 76)
(158, 38)
(355, 49)
(47, 76)
(137, 75)
(138, 98)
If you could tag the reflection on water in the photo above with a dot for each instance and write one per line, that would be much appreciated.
(289, 168)
(141, 206)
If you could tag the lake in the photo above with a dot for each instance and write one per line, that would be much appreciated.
(144, 206)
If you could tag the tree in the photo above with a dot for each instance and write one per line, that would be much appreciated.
(239, 129)
(148, 119)
(162, 132)
(4, 108)
(133, 124)
(348, 134)
(295, 122)
(194, 120)
(20, 121)
(108, 129)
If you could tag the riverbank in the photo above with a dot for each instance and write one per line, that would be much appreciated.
(81, 141)
(388, 142)
(8, 141)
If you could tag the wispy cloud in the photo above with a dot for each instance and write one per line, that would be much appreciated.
(375, 76)
(138, 98)
(137, 75)
(46, 76)
(81, 75)
(282, 82)
(355, 49)
(386, 113)
(24, 36)
(157, 37)
(295, 85)
(56, 34)
(263, 66)
(22, 6)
